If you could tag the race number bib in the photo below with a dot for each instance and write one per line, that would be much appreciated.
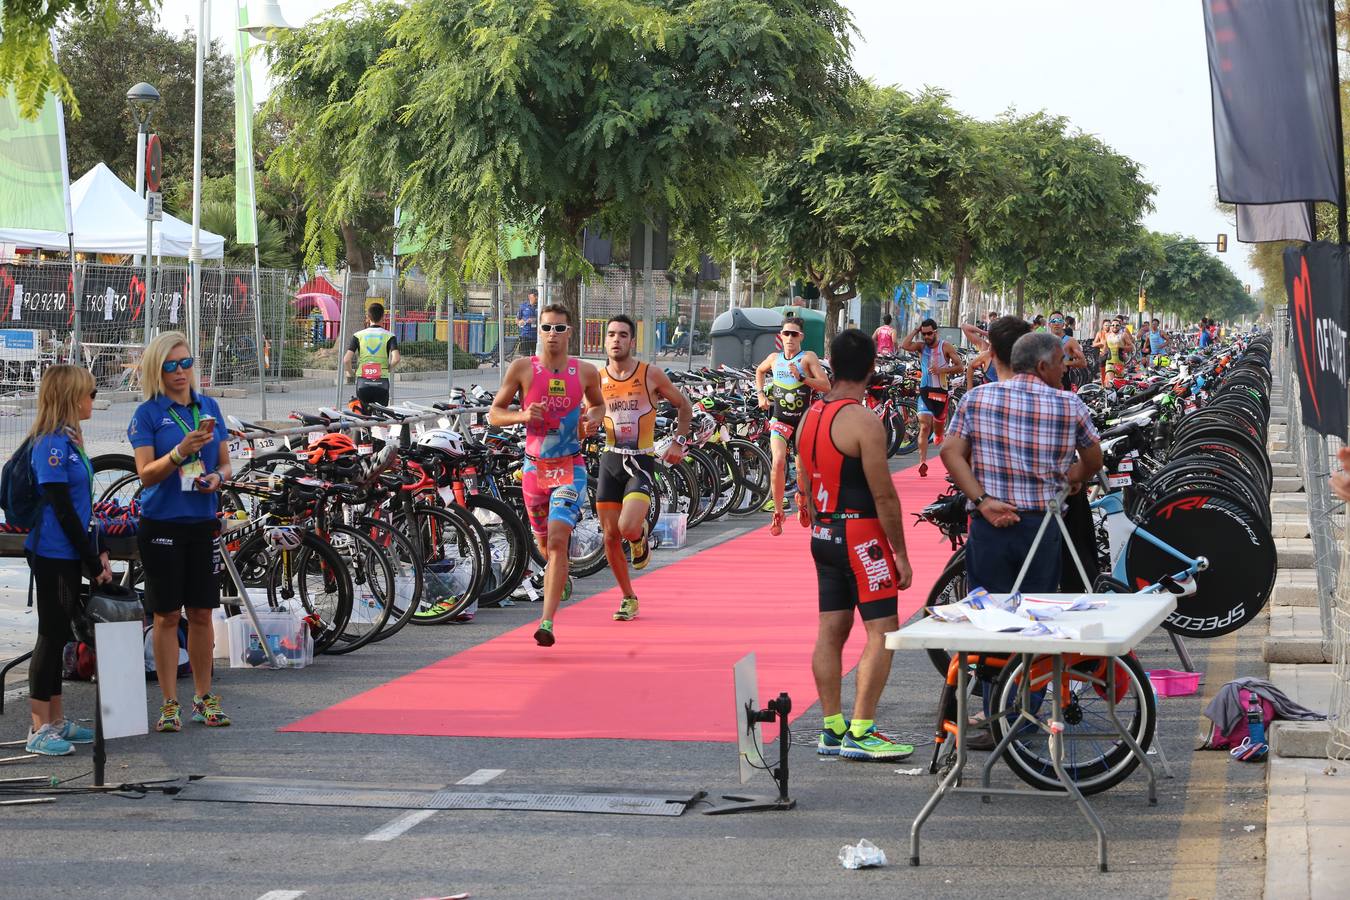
(552, 473)
(370, 371)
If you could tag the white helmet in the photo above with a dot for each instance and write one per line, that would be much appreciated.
(443, 439)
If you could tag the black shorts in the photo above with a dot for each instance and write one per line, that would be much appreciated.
(182, 564)
(855, 568)
(373, 391)
(622, 474)
(784, 425)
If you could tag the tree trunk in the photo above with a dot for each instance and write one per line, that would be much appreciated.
(571, 298)
(1020, 287)
(358, 264)
(834, 305)
(963, 252)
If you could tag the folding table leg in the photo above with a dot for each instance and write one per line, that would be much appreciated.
(953, 777)
(1057, 757)
(1127, 737)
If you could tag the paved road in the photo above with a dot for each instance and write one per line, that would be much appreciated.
(1193, 844)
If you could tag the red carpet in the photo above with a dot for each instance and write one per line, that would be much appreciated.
(664, 676)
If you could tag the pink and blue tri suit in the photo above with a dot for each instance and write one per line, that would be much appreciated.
(554, 476)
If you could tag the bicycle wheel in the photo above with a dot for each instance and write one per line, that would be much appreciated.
(1094, 755)
(115, 477)
(950, 587)
(753, 467)
(906, 429)
(508, 546)
(705, 471)
(373, 587)
(730, 487)
(313, 576)
(452, 560)
(402, 555)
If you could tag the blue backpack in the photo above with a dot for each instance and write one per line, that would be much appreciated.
(20, 497)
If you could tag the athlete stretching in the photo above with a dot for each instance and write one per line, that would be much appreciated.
(624, 494)
(796, 372)
(551, 387)
(858, 544)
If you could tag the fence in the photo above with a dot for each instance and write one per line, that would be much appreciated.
(1314, 456)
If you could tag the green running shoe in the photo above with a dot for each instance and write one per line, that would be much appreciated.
(206, 709)
(874, 745)
(628, 610)
(567, 589)
(639, 551)
(543, 635)
(830, 743)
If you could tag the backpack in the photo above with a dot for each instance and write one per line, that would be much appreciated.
(78, 662)
(1228, 740)
(19, 495)
(184, 667)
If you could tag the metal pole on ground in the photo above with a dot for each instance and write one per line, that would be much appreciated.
(581, 316)
(693, 327)
(648, 294)
(501, 324)
(215, 338)
(449, 344)
(259, 339)
(341, 336)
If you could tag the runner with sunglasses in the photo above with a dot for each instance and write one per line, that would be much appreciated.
(552, 388)
(796, 373)
(1074, 358)
(937, 360)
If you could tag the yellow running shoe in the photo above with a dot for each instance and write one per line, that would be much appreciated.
(628, 610)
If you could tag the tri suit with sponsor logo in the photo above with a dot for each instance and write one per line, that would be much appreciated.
(789, 395)
(854, 562)
(628, 464)
(554, 475)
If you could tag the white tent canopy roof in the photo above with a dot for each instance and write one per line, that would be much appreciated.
(110, 218)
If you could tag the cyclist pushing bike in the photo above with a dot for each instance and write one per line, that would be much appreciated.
(623, 495)
(552, 388)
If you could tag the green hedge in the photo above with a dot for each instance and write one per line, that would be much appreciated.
(436, 350)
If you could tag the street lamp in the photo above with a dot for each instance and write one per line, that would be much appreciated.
(269, 19)
(142, 98)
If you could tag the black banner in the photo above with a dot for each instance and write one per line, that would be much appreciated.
(1272, 69)
(1316, 279)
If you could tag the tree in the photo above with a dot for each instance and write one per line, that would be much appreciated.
(103, 61)
(26, 62)
(857, 199)
(1192, 283)
(1076, 199)
(484, 114)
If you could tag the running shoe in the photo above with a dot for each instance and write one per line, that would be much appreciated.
(543, 635)
(76, 734)
(923, 470)
(206, 709)
(567, 589)
(170, 717)
(874, 745)
(769, 505)
(829, 742)
(776, 526)
(48, 742)
(628, 610)
(639, 552)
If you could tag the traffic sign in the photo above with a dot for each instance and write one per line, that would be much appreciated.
(154, 206)
(154, 163)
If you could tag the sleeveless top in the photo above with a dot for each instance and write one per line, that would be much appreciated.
(789, 391)
(885, 338)
(1115, 348)
(838, 486)
(561, 392)
(928, 379)
(372, 357)
(630, 415)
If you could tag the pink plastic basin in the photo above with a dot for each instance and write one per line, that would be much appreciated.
(1171, 683)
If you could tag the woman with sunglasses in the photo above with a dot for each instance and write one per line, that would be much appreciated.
(182, 457)
(61, 548)
(796, 373)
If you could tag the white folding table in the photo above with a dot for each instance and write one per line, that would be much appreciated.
(1125, 621)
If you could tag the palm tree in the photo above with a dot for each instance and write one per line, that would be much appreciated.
(218, 217)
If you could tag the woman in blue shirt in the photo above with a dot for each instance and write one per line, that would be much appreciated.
(61, 548)
(182, 457)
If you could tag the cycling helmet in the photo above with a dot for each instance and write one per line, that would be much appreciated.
(1091, 391)
(443, 439)
(330, 447)
(703, 427)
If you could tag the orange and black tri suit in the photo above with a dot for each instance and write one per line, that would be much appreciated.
(628, 465)
(854, 562)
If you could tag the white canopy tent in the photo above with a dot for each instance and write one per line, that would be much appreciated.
(110, 218)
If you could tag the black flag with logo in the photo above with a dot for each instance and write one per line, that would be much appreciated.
(1272, 70)
(1316, 280)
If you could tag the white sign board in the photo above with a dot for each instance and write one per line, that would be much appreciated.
(121, 679)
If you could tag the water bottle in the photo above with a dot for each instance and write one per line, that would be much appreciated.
(1256, 726)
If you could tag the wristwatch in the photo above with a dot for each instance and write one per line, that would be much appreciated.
(681, 440)
(983, 497)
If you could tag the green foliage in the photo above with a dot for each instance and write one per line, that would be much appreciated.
(435, 350)
(279, 248)
(546, 115)
(1192, 283)
(102, 61)
(858, 198)
(26, 62)
(218, 217)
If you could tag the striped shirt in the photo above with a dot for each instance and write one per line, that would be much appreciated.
(1022, 435)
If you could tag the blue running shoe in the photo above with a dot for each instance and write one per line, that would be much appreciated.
(829, 742)
(75, 734)
(48, 743)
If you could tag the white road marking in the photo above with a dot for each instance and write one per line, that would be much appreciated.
(393, 829)
(281, 895)
(415, 817)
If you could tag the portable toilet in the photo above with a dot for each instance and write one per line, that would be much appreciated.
(744, 335)
(813, 320)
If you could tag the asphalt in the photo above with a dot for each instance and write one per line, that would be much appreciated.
(1194, 843)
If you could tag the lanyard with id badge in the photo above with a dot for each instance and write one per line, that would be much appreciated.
(193, 468)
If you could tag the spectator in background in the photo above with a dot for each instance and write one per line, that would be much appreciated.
(371, 355)
(885, 337)
(1038, 323)
(527, 320)
(1069, 325)
(1340, 482)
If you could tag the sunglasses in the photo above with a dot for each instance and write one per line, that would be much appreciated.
(551, 328)
(795, 334)
(173, 365)
(927, 333)
(1056, 321)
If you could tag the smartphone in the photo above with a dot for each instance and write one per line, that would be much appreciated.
(208, 423)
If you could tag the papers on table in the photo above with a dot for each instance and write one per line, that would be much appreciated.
(1022, 615)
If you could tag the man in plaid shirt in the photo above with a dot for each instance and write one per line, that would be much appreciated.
(1013, 447)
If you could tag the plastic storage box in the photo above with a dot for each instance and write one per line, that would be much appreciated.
(284, 631)
(1171, 683)
(670, 530)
